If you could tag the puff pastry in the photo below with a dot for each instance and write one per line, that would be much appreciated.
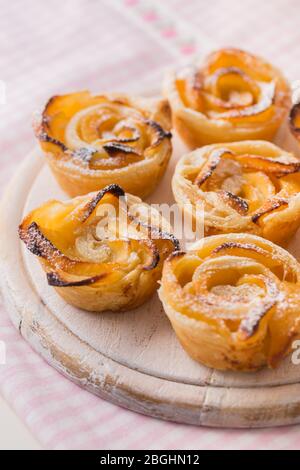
(233, 301)
(248, 186)
(294, 121)
(92, 141)
(92, 257)
(233, 96)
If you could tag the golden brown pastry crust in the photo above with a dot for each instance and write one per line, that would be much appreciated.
(233, 301)
(115, 271)
(92, 141)
(248, 186)
(233, 96)
(294, 121)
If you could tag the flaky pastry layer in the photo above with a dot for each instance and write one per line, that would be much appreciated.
(102, 251)
(248, 186)
(233, 301)
(232, 96)
(93, 141)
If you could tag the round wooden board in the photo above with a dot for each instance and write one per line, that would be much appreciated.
(131, 359)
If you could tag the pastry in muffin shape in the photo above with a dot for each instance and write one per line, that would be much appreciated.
(247, 186)
(93, 141)
(232, 96)
(233, 301)
(102, 251)
(294, 121)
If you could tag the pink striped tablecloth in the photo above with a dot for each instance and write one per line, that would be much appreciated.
(53, 47)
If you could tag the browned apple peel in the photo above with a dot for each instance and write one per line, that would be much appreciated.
(269, 207)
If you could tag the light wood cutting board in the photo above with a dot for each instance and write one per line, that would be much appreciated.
(131, 359)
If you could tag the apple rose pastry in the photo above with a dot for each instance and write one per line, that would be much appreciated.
(92, 141)
(248, 186)
(99, 251)
(233, 301)
(233, 96)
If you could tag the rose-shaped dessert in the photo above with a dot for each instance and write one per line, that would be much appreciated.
(92, 141)
(99, 251)
(248, 186)
(233, 301)
(233, 96)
